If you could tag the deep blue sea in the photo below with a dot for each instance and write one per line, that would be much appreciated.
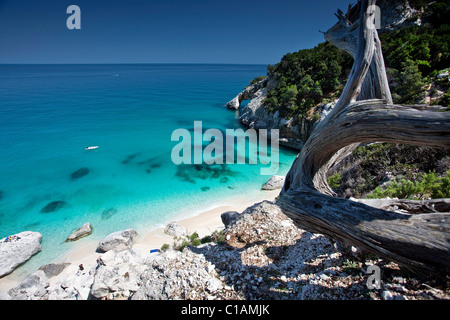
(50, 113)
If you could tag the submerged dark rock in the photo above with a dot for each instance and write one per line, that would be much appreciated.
(79, 173)
(205, 188)
(190, 173)
(130, 158)
(224, 179)
(32, 225)
(108, 213)
(53, 206)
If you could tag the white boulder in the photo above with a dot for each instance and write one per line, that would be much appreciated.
(117, 274)
(175, 230)
(31, 288)
(275, 182)
(83, 231)
(118, 241)
(18, 248)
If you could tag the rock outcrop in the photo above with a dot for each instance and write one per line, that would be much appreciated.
(180, 275)
(117, 274)
(250, 92)
(83, 231)
(118, 241)
(174, 229)
(274, 183)
(257, 116)
(294, 133)
(229, 217)
(18, 248)
(53, 269)
(32, 288)
(261, 255)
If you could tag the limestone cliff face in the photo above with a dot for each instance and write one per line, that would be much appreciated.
(293, 133)
(257, 115)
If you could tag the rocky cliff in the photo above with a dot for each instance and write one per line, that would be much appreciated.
(256, 115)
(260, 254)
(296, 130)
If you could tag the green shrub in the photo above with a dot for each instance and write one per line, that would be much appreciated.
(334, 181)
(306, 78)
(194, 240)
(190, 240)
(257, 79)
(429, 186)
(218, 236)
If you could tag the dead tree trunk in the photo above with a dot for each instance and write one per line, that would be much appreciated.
(418, 241)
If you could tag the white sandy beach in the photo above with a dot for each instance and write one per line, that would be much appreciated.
(204, 223)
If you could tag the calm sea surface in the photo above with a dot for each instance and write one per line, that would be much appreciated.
(50, 113)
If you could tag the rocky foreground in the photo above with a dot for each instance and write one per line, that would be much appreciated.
(260, 254)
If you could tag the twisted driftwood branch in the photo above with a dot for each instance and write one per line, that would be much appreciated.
(420, 241)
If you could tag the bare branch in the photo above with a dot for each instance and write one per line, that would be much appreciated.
(419, 241)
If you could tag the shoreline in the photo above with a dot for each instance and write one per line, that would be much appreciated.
(204, 221)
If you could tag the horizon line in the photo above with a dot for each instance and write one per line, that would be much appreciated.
(135, 63)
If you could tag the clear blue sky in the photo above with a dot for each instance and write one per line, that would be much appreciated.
(162, 31)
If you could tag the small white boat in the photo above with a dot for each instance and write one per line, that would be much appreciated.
(92, 148)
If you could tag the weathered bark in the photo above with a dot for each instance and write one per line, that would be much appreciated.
(344, 35)
(411, 206)
(419, 241)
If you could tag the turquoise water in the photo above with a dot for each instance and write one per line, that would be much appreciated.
(50, 113)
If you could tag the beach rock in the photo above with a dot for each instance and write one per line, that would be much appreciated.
(175, 230)
(31, 288)
(275, 182)
(180, 275)
(53, 206)
(72, 284)
(228, 217)
(79, 173)
(18, 249)
(264, 256)
(117, 274)
(53, 269)
(118, 241)
(81, 232)
(69, 283)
